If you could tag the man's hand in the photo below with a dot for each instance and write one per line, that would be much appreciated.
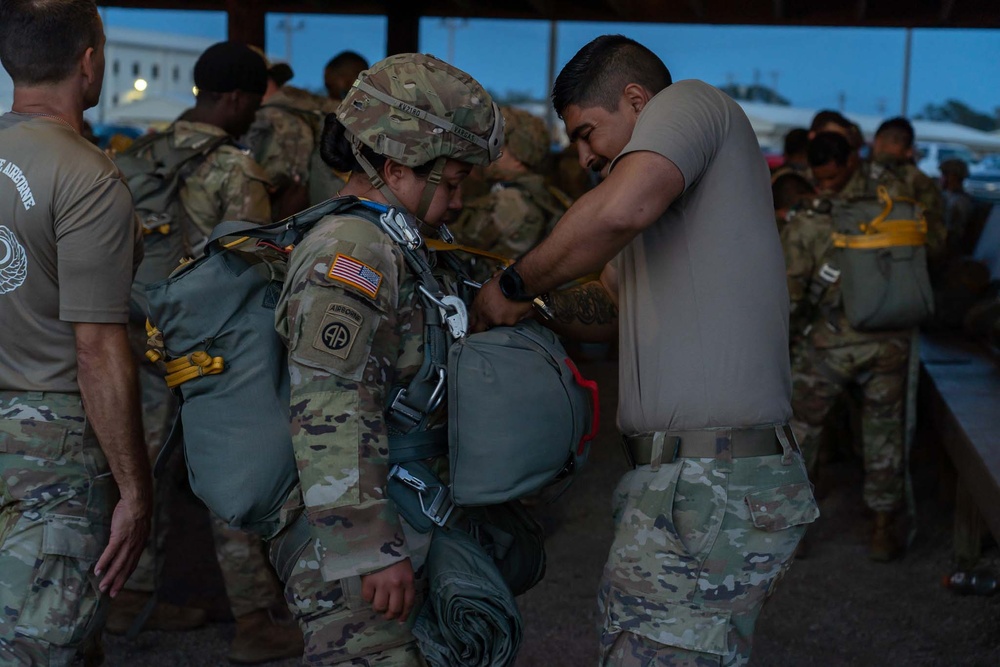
(491, 308)
(391, 591)
(129, 532)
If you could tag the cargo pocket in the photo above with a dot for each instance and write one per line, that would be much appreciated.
(63, 598)
(29, 437)
(662, 628)
(782, 507)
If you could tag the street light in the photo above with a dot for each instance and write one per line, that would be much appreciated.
(140, 85)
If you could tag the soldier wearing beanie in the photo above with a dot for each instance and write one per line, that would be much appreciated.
(224, 184)
(520, 207)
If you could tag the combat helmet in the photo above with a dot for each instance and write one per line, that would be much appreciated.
(525, 136)
(415, 109)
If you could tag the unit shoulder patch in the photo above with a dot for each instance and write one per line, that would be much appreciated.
(338, 330)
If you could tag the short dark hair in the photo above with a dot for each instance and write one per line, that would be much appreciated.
(599, 72)
(828, 147)
(41, 40)
(827, 116)
(898, 130)
(796, 141)
(789, 188)
(345, 58)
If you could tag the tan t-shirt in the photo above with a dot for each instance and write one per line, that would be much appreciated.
(69, 245)
(702, 300)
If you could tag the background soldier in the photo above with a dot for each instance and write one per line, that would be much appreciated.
(340, 73)
(285, 139)
(226, 185)
(832, 354)
(69, 409)
(520, 207)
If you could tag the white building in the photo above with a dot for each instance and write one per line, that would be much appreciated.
(148, 80)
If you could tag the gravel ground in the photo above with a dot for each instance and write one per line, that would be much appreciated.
(834, 608)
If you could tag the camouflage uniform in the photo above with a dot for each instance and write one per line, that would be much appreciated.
(833, 355)
(228, 185)
(338, 394)
(698, 547)
(58, 495)
(285, 136)
(520, 209)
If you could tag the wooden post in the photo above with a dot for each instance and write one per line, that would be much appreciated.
(246, 21)
(403, 30)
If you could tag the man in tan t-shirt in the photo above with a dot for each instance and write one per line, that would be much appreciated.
(70, 429)
(718, 499)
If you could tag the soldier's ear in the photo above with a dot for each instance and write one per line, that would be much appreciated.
(636, 96)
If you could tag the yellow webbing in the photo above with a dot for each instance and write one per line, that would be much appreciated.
(882, 233)
(161, 229)
(435, 244)
(191, 366)
(154, 342)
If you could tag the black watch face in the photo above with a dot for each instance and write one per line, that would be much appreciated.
(508, 285)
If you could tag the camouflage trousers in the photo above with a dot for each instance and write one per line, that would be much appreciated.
(56, 499)
(879, 368)
(338, 625)
(250, 582)
(699, 546)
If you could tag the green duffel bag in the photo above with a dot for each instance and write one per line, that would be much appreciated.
(882, 257)
(520, 415)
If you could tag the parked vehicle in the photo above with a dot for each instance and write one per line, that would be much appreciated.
(930, 154)
(984, 179)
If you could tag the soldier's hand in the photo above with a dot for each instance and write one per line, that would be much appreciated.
(491, 308)
(129, 532)
(390, 591)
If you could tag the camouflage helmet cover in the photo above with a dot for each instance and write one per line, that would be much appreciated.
(414, 108)
(525, 136)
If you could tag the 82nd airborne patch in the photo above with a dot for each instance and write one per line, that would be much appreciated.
(339, 330)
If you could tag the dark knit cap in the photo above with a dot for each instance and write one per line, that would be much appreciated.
(229, 66)
(281, 73)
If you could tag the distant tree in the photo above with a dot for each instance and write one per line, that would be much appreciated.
(953, 111)
(754, 93)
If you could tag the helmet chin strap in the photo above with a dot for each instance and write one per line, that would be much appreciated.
(433, 180)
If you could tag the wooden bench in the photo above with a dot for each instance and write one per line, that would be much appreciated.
(960, 402)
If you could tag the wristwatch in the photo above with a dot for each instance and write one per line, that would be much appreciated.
(512, 285)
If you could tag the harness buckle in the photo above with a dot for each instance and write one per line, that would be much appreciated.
(439, 508)
(398, 407)
(829, 274)
(395, 224)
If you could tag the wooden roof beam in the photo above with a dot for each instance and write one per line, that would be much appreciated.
(947, 7)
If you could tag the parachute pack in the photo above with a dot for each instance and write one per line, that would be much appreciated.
(155, 169)
(229, 367)
(881, 262)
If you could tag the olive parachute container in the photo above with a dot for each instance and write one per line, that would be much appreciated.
(520, 415)
(882, 256)
(229, 367)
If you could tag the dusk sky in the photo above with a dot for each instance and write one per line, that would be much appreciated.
(812, 67)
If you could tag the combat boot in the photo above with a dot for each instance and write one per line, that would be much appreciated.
(165, 616)
(265, 635)
(885, 544)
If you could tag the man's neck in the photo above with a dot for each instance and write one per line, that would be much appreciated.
(206, 116)
(55, 101)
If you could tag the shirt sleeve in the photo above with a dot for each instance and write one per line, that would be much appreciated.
(342, 350)
(685, 123)
(97, 239)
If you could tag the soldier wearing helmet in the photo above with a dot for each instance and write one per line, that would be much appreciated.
(520, 207)
(410, 130)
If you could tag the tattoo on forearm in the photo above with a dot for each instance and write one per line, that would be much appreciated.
(588, 304)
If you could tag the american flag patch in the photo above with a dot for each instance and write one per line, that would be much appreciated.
(356, 274)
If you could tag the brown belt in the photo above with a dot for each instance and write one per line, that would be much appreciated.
(706, 444)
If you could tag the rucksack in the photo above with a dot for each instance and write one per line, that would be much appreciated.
(881, 254)
(324, 182)
(155, 170)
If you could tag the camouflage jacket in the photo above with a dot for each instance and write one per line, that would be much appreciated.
(228, 185)
(512, 218)
(903, 180)
(352, 321)
(286, 132)
(808, 246)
